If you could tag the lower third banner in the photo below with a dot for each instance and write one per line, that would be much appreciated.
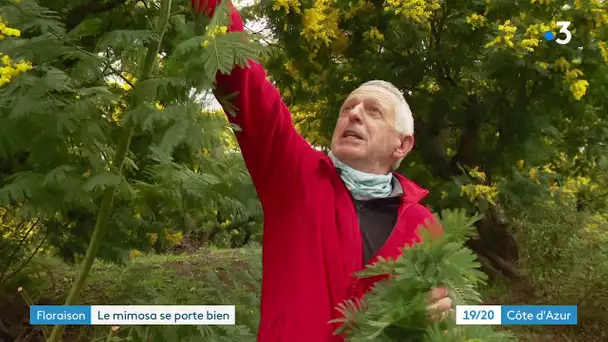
(132, 314)
(516, 314)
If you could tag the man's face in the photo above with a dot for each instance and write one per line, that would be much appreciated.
(365, 137)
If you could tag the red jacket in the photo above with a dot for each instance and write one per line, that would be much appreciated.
(311, 242)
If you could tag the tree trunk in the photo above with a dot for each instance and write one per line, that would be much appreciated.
(497, 247)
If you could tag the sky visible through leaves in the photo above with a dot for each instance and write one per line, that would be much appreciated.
(254, 25)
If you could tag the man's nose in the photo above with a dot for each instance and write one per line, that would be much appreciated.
(356, 112)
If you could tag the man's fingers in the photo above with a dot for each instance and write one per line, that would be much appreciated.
(441, 305)
(438, 293)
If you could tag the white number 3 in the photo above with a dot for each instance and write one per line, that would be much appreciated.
(564, 29)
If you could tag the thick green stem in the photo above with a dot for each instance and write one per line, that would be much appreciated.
(28, 300)
(108, 195)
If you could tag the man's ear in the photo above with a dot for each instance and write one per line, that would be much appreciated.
(407, 144)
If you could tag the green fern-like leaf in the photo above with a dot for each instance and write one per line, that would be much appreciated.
(33, 17)
(23, 186)
(120, 39)
(395, 309)
(102, 180)
(222, 52)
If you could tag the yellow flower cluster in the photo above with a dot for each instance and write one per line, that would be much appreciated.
(321, 22)
(6, 31)
(542, 65)
(477, 174)
(374, 35)
(529, 44)
(574, 185)
(479, 191)
(134, 254)
(417, 10)
(533, 32)
(476, 21)
(287, 5)
(596, 12)
(508, 31)
(306, 122)
(174, 238)
(132, 80)
(604, 49)
(578, 87)
(10, 69)
(564, 189)
(596, 6)
(216, 31)
(549, 169)
(572, 75)
(531, 38)
(601, 17)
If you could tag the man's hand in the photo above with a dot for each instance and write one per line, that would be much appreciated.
(441, 304)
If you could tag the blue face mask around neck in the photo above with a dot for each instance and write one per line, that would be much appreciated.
(363, 184)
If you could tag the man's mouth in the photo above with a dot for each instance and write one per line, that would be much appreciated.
(349, 133)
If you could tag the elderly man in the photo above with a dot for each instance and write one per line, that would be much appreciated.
(325, 217)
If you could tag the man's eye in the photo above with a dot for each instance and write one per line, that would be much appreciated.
(375, 111)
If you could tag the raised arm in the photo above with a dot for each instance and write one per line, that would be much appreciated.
(273, 150)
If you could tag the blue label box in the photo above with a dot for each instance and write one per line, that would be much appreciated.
(60, 314)
(539, 315)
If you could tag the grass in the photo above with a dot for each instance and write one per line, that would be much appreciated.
(218, 277)
(152, 279)
(221, 277)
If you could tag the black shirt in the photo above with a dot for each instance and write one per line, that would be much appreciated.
(377, 219)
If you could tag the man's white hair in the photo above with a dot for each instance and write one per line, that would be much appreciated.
(404, 119)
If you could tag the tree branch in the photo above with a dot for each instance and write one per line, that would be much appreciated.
(80, 13)
(17, 248)
(26, 262)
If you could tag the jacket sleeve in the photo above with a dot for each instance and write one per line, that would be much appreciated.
(273, 150)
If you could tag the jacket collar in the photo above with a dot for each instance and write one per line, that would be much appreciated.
(411, 192)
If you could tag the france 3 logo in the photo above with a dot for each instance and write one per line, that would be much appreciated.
(562, 31)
